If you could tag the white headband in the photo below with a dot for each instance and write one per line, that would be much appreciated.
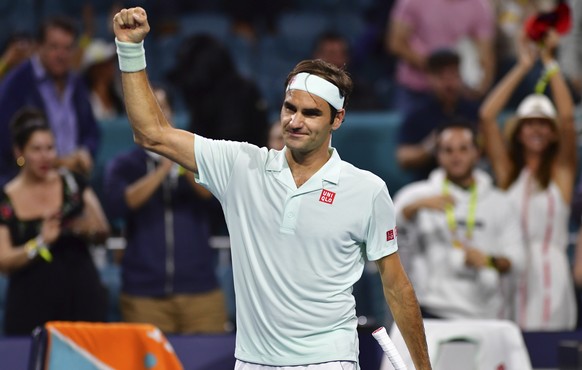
(316, 85)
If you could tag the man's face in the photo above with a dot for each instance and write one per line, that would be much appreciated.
(306, 122)
(334, 52)
(446, 83)
(457, 153)
(57, 51)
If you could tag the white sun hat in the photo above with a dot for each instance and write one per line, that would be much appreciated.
(97, 51)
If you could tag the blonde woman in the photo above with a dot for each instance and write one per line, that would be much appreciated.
(536, 163)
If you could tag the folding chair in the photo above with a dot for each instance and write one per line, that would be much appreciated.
(99, 346)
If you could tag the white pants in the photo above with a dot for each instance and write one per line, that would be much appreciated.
(334, 365)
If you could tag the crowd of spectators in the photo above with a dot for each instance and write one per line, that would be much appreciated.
(471, 219)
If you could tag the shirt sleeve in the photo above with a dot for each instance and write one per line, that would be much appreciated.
(382, 233)
(402, 199)
(215, 160)
(404, 11)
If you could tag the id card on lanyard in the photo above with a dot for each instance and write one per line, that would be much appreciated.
(451, 219)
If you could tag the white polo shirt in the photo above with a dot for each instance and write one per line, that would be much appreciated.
(296, 252)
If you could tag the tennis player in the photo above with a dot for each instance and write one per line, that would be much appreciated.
(301, 220)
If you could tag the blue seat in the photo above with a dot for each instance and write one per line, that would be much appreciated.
(368, 141)
(72, 8)
(15, 17)
(3, 288)
(297, 32)
(272, 68)
(111, 279)
(161, 55)
(214, 24)
(243, 55)
(349, 24)
(103, 26)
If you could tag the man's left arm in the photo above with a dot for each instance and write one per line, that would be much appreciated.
(401, 299)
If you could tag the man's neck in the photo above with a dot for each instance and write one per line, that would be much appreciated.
(304, 165)
(464, 182)
(448, 104)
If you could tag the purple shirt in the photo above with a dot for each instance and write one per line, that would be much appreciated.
(60, 109)
(437, 24)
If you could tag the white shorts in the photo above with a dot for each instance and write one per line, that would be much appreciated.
(334, 365)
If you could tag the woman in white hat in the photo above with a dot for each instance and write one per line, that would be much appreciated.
(536, 163)
(99, 67)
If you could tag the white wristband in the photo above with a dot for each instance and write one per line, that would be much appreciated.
(551, 67)
(131, 56)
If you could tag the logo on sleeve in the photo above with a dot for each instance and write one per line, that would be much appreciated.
(391, 234)
(327, 196)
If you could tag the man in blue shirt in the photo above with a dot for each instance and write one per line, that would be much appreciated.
(168, 268)
(47, 81)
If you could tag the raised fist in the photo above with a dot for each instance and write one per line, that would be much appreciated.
(131, 25)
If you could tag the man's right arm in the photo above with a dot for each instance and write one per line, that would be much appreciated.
(398, 42)
(151, 129)
(413, 156)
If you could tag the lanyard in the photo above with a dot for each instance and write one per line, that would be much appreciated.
(450, 214)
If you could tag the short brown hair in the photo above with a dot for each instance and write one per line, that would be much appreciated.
(327, 71)
(440, 59)
(60, 22)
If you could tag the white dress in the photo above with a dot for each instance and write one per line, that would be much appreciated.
(545, 298)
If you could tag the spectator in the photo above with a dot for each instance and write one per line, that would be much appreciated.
(207, 77)
(466, 230)
(416, 137)
(221, 103)
(335, 49)
(46, 81)
(537, 165)
(47, 219)
(418, 27)
(18, 48)
(99, 66)
(168, 277)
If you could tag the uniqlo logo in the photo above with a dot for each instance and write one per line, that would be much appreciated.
(327, 196)
(390, 234)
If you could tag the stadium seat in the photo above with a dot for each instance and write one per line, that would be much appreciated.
(3, 288)
(368, 141)
(272, 67)
(468, 345)
(350, 25)
(243, 53)
(214, 24)
(103, 27)
(297, 32)
(161, 55)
